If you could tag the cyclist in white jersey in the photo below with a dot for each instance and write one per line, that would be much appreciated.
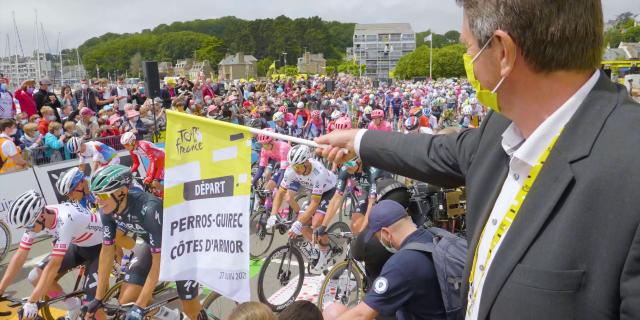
(77, 235)
(312, 175)
(96, 153)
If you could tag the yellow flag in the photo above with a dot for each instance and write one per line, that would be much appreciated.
(272, 67)
(206, 204)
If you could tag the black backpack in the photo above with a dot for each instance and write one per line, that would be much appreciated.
(449, 253)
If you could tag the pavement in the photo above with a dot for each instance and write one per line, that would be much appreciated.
(22, 288)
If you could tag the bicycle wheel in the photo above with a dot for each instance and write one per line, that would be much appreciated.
(5, 240)
(338, 245)
(260, 237)
(281, 277)
(218, 307)
(347, 206)
(344, 284)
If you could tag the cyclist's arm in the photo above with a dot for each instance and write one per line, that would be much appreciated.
(105, 264)
(17, 261)
(136, 162)
(107, 254)
(47, 278)
(94, 167)
(334, 204)
(152, 280)
(258, 175)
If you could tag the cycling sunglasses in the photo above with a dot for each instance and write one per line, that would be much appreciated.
(104, 196)
(299, 166)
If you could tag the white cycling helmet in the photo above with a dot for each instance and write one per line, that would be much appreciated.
(69, 180)
(299, 154)
(25, 210)
(278, 116)
(300, 105)
(74, 145)
(336, 115)
(128, 138)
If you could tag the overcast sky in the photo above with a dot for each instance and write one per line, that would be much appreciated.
(79, 20)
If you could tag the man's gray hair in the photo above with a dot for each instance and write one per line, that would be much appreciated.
(553, 35)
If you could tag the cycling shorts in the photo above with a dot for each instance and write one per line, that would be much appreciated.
(76, 256)
(139, 266)
(324, 202)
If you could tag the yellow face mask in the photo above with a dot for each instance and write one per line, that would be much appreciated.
(486, 97)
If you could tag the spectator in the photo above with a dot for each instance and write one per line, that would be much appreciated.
(31, 138)
(301, 310)
(88, 124)
(408, 285)
(160, 115)
(10, 156)
(207, 89)
(34, 118)
(24, 95)
(67, 111)
(252, 310)
(138, 97)
(48, 116)
(134, 124)
(71, 130)
(7, 106)
(122, 95)
(68, 99)
(114, 123)
(46, 98)
(90, 97)
(197, 92)
(54, 143)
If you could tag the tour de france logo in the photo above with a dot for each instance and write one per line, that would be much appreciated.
(189, 140)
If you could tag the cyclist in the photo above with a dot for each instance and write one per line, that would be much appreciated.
(281, 126)
(77, 235)
(75, 185)
(141, 213)
(378, 122)
(312, 175)
(316, 125)
(335, 115)
(412, 124)
(137, 149)
(365, 118)
(96, 153)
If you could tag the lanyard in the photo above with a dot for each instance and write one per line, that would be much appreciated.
(506, 222)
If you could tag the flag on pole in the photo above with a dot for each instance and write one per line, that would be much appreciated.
(272, 67)
(428, 38)
(205, 228)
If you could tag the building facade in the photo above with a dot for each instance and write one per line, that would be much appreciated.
(380, 46)
(312, 63)
(238, 66)
(19, 69)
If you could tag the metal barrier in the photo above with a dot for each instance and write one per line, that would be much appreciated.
(44, 155)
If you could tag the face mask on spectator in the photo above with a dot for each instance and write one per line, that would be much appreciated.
(30, 90)
(141, 90)
(3, 87)
(83, 86)
(51, 118)
(24, 121)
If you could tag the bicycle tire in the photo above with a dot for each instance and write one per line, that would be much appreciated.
(254, 223)
(209, 303)
(335, 272)
(294, 252)
(5, 240)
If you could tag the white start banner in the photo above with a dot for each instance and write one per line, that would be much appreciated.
(205, 228)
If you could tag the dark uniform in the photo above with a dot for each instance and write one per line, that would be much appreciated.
(143, 216)
(408, 285)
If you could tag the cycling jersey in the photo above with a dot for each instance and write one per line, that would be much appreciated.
(278, 152)
(73, 225)
(98, 152)
(143, 216)
(304, 113)
(154, 154)
(319, 181)
(369, 174)
(384, 126)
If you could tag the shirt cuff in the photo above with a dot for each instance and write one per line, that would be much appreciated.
(357, 140)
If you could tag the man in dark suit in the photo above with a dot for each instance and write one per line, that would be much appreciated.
(552, 210)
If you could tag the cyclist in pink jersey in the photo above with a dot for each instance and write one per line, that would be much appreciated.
(378, 122)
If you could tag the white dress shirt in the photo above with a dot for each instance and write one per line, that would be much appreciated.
(524, 154)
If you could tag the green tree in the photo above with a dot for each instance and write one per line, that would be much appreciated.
(263, 66)
(447, 62)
